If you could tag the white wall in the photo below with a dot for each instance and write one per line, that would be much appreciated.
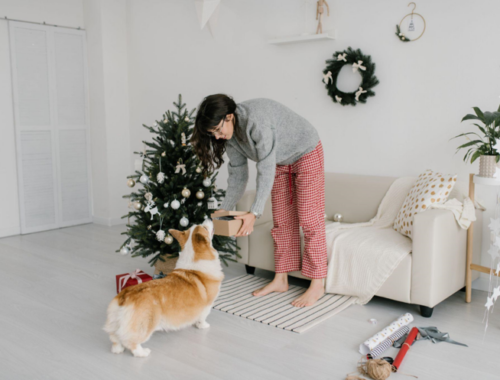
(59, 12)
(425, 88)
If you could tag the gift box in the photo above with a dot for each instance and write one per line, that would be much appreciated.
(225, 224)
(128, 279)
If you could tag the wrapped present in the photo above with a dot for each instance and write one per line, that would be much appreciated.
(128, 279)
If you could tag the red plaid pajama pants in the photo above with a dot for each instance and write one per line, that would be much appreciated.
(298, 199)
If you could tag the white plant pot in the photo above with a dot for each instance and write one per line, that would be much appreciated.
(487, 166)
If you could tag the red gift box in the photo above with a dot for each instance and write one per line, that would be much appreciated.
(128, 279)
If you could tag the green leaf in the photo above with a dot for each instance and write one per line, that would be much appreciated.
(479, 113)
(475, 156)
(470, 116)
(470, 143)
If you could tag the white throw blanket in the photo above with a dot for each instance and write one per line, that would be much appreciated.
(361, 256)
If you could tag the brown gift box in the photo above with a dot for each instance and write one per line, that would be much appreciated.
(227, 227)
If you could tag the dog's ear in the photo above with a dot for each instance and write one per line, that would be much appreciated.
(180, 236)
(201, 244)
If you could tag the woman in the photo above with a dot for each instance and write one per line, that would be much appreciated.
(290, 167)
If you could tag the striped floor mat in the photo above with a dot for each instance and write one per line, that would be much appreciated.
(275, 309)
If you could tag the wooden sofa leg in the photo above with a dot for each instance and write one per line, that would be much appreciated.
(426, 311)
(250, 270)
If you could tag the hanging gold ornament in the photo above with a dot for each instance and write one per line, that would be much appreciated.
(169, 239)
(200, 194)
(198, 169)
(130, 182)
(137, 205)
(186, 193)
(164, 154)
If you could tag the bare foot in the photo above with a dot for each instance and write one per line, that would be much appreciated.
(279, 284)
(314, 293)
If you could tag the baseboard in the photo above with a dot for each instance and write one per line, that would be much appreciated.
(9, 231)
(110, 222)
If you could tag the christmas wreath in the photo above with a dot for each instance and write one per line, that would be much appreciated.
(359, 62)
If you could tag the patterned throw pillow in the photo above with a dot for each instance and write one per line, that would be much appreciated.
(429, 188)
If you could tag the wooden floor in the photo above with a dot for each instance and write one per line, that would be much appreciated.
(55, 287)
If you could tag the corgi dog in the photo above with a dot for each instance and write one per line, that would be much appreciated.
(181, 299)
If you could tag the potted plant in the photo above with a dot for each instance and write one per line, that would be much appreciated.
(483, 146)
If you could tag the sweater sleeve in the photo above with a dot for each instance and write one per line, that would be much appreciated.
(237, 179)
(263, 137)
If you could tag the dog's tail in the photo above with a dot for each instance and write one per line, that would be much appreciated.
(113, 321)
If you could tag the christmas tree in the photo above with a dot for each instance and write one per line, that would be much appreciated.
(171, 173)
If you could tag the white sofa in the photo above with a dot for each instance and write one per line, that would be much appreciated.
(432, 272)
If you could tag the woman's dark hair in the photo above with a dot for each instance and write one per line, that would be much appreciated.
(210, 113)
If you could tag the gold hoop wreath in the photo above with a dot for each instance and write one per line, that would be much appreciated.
(400, 35)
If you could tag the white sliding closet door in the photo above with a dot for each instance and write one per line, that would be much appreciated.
(49, 79)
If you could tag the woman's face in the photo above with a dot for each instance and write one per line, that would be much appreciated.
(224, 130)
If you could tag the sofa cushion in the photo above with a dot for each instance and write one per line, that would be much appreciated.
(430, 187)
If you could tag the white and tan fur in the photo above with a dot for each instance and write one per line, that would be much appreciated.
(181, 299)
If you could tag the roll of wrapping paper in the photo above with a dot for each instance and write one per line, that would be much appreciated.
(404, 349)
(384, 346)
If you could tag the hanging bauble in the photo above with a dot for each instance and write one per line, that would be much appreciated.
(137, 205)
(160, 235)
(200, 194)
(175, 204)
(212, 203)
(186, 193)
(207, 182)
(125, 250)
(149, 227)
(148, 196)
(165, 205)
(160, 177)
(184, 221)
(199, 169)
(130, 182)
(144, 179)
(199, 204)
(163, 154)
(169, 239)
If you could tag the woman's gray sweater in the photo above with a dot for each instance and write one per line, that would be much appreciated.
(275, 136)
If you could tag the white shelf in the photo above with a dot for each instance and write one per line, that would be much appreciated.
(486, 181)
(331, 35)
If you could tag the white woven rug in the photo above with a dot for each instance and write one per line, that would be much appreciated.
(275, 309)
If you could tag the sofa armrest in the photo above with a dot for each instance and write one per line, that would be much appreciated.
(438, 256)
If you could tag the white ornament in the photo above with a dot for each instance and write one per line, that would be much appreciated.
(356, 66)
(341, 57)
(186, 193)
(125, 250)
(200, 194)
(198, 170)
(137, 205)
(212, 203)
(496, 293)
(183, 139)
(160, 235)
(493, 252)
(338, 98)
(175, 204)
(489, 303)
(207, 11)
(144, 179)
(184, 221)
(359, 92)
(160, 177)
(148, 196)
(169, 239)
(180, 167)
(327, 77)
(165, 205)
(199, 204)
(207, 182)
(151, 207)
(186, 118)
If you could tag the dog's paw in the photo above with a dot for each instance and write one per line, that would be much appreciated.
(141, 352)
(202, 325)
(117, 348)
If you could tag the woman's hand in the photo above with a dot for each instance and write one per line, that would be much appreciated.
(247, 227)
